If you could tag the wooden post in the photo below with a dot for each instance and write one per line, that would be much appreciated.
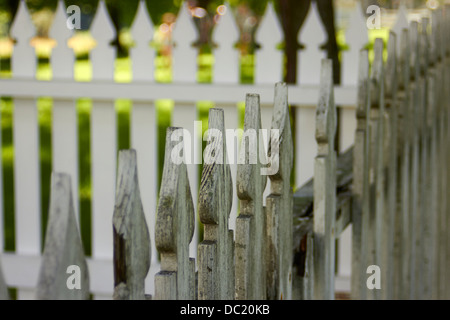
(216, 252)
(250, 224)
(132, 250)
(175, 225)
(390, 215)
(279, 203)
(415, 151)
(63, 273)
(360, 210)
(325, 188)
(377, 178)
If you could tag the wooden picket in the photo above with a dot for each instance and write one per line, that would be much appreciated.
(63, 252)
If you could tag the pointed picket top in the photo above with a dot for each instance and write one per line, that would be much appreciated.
(391, 67)
(102, 28)
(142, 55)
(62, 58)
(284, 145)
(216, 252)
(132, 249)
(326, 112)
(250, 229)
(63, 263)
(4, 295)
(356, 37)
(103, 55)
(174, 225)
(279, 202)
(402, 19)
(226, 56)
(312, 35)
(184, 56)
(269, 35)
(23, 57)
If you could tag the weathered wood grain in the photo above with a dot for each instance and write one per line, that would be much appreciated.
(415, 152)
(216, 252)
(174, 226)
(405, 134)
(390, 215)
(63, 248)
(132, 249)
(250, 269)
(279, 203)
(360, 189)
(376, 164)
(325, 188)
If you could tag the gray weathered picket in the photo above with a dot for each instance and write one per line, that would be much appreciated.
(63, 252)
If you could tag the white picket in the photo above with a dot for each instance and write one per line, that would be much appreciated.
(23, 57)
(184, 56)
(65, 144)
(226, 57)
(62, 58)
(103, 166)
(312, 35)
(27, 177)
(269, 36)
(142, 56)
(356, 37)
(103, 55)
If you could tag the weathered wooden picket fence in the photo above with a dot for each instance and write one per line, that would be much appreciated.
(390, 187)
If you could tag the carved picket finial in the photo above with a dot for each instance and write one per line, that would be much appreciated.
(391, 67)
(250, 224)
(184, 57)
(23, 57)
(216, 252)
(62, 58)
(269, 34)
(103, 55)
(132, 249)
(326, 112)
(63, 273)
(279, 202)
(325, 187)
(357, 36)
(174, 225)
(142, 56)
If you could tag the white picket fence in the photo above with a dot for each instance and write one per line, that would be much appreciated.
(21, 267)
